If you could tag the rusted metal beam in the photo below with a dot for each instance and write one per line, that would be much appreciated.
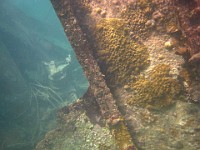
(98, 89)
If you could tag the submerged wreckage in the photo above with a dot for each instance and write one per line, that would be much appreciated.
(142, 95)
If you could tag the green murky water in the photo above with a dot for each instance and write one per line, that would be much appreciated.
(39, 72)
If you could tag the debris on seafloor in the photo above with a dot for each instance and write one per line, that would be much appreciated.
(76, 131)
(148, 101)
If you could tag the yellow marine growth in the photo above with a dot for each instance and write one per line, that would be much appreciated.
(122, 136)
(159, 89)
(137, 15)
(120, 57)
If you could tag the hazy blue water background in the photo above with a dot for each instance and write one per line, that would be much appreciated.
(39, 72)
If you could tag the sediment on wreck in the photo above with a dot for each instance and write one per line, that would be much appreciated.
(98, 90)
(188, 15)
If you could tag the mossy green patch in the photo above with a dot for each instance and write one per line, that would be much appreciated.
(159, 89)
(120, 57)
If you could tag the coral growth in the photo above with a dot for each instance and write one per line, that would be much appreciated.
(145, 17)
(137, 16)
(120, 57)
(159, 89)
(122, 136)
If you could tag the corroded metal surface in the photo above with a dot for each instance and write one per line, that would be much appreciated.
(98, 88)
(188, 16)
(188, 13)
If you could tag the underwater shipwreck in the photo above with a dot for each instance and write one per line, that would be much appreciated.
(115, 75)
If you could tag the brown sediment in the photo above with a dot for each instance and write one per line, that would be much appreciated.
(188, 13)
